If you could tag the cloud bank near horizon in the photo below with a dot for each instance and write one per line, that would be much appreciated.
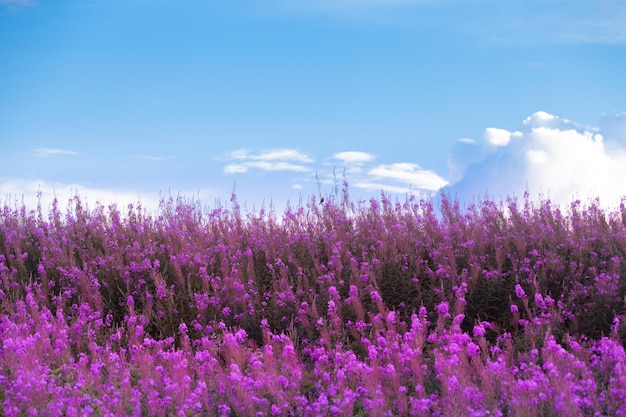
(550, 157)
(15, 192)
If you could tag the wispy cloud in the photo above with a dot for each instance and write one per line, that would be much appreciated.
(356, 165)
(557, 22)
(354, 157)
(353, 162)
(18, 2)
(354, 6)
(15, 5)
(280, 159)
(371, 186)
(280, 154)
(373, 12)
(49, 152)
(153, 158)
(523, 21)
(410, 174)
(265, 166)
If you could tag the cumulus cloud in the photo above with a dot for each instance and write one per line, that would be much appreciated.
(49, 152)
(499, 137)
(547, 155)
(268, 160)
(613, 128)
(551, 156)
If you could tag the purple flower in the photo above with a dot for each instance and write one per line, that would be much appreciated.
(443, 309)
(375, 296)
(519, 291)
(479, 331)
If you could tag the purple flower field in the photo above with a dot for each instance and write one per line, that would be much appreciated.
(375, 308)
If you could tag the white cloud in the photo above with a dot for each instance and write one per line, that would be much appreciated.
(153, 158)
(239, 154)
(265, 166)
(499, 137)
(357, 169)
(378, 186)
(540, 117)
(467, 140)
(553, 156)
(280, 154)
(236, 169)
(354, 157)
(283, 154)
(267, 160)
(409, 173)
(536, 157)
(48, 152)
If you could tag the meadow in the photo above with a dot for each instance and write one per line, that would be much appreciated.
(369, 308)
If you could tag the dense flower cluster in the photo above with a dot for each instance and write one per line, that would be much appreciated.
(374, 308)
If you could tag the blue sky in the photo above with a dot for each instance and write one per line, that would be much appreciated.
(126, 99)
